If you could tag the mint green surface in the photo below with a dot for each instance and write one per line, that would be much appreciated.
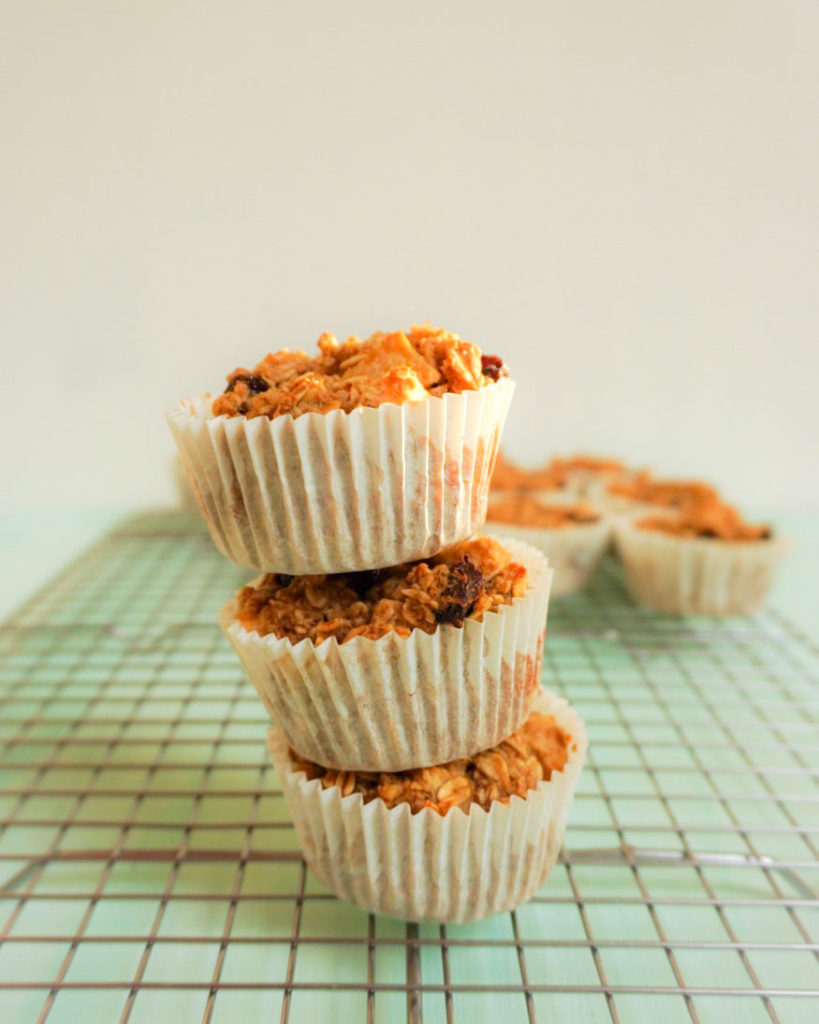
(35, 543)
(131, 742)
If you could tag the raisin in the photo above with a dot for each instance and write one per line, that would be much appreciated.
(493, 367)
(255, 384)
(766, 534)
(463, 589)
(708, 534)
(450, 613)
(283, 579)
(361, 582)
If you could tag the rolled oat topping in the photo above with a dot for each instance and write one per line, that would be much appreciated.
(644, 487)
(513, 767)
(464, 581)
(400, 367)
(525, 510)
(707, 520)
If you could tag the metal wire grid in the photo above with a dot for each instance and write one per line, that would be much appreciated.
(149, 868)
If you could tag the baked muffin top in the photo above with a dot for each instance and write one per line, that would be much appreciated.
(707, 520)
(511, 768)
(405, 366)
(644, 487)
(464, 581)
(526, 510)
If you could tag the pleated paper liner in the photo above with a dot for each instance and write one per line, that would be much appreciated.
(404, 702)
(694, 576)
(339, 492)
(457, 867)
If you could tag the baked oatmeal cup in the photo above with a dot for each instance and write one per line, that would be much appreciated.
(408, 666)
(573, 535)
(643, 491)
(363, 455)
(703, 559)
(450, 843)
(509, 478)
(587, 477)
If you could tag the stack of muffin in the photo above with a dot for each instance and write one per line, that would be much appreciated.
(397, 651)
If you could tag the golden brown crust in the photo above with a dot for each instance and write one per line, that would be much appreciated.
(461, 582)
(399, 367)
(643, 487)
(707, 520)
(511, 768)
(526, 510)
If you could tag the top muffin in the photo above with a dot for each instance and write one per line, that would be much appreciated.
(393, 465)
(404, 366)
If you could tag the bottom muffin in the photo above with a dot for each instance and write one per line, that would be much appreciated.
(449, 843)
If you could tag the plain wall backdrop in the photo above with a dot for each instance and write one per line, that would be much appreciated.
(619, 198)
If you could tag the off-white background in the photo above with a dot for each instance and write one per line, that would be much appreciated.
(620, 198)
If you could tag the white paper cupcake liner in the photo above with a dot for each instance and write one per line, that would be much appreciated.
(404, 702)
(457, 867)
(336, 491)
(686, 576)
(574, 552)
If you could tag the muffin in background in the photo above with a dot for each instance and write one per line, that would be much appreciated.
(587, 477)
(449, 843)
(703, 559)
(399, 668)
(576, 478)
(573, 535)
(366, 454)
(508, 476)
(644, 490)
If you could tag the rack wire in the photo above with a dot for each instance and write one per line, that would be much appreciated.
(149, 870)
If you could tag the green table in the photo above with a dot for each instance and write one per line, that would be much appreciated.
(150, 872)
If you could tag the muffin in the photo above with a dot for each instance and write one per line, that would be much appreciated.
(366, 454)
(450, 843)
(414, 665)
(703, 559)
(643, 490)
(509, 477)
(573, 535)
(587, 477)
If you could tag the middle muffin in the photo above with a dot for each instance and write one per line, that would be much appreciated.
(398, 668)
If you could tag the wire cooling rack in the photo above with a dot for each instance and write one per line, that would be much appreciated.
(149, 871)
